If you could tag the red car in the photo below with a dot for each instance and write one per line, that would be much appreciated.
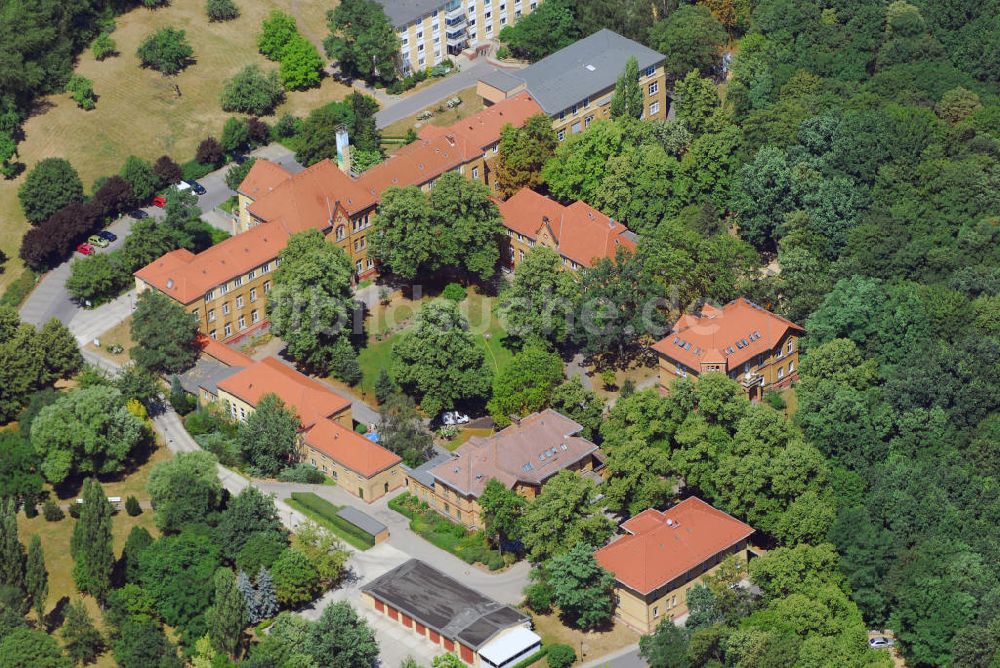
(85, 249)
(160, 201)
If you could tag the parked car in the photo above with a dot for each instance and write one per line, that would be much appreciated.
(239, 158)
(880, 642)
(196, 187)
(97, 240)
(107, 235)
(85, 249)
(138, 214)
(160, 201)
(454, 417)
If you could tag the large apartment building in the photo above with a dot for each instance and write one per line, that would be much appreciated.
(431, 30)
(574, 85)
(741, 339)
(579, 233)
(225, 286)
(522, 457)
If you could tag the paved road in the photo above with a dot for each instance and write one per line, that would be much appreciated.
(624, 658)
(574, 368)
(402, 107)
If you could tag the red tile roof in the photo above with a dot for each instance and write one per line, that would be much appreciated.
(664, 546)
(732, 334)
(350, 449)
(222, 352)
(262, 178)
(185, 277)
(308, 199)
(582, 232)
(533, 451)
(312, 401)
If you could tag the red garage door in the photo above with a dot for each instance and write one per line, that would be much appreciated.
(379, 606)
(407, 622)
(421, 629)
(392, 613)
(435, 637)
(466, 654)
(449, 645)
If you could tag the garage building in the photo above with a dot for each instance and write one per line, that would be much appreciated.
(478, 629)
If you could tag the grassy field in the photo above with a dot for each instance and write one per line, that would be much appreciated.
(594, 644)
(138, 110)
(464, 435)
(119, 335)
(55, 537)
(471, 103)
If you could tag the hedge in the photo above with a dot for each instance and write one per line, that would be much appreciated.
(326, 513)
(470, 547)
(17, 291)
(534, 658)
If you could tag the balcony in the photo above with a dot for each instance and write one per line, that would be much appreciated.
(456, 37)
(454, 15)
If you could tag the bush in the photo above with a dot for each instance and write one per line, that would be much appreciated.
(82, 89)
(235, 134)
(775, 400)
(166, 51)
(454, 292)
(503, 53)
(51, 511)
(30, 508)
(236, 173)
(132, 507)
(287, 126)
(327, 514)
(17, 291)
(104, 47)
(252, 91)
(560, 656)
(210, 152)
(303, 473)
(74, 510)
(205, 421)
(221, 10)
(192, 170)
(225, 449)
(538, 597)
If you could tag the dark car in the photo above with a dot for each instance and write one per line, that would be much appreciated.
(138, 214)
(196, 187)
(239, 158)
(107, 235)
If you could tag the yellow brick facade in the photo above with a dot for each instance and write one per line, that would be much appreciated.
(368, 489)
(777, 368)
(579, 116)
(643, 612)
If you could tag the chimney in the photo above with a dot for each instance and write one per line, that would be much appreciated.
(343, 150)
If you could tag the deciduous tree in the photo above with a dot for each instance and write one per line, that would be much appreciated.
(691, 39)
(525, 385)
(50, 185)
(93, 556)
(81, 638)
(564, 514)
(627, 101)
(36, 578)
(503, 512)
(301, 65)
(341, 638)
(276, 31)
(296, 580)
(12, 554)
(580, 587)
(164, 334)
(523, 151)
(167, 51)
(402, 430)
(540, 302)
(252, 91)
(186, 490)
(362, 40)
(249, 513)
(141, 177)
(227, 617)
(542, 32)
(268, 437)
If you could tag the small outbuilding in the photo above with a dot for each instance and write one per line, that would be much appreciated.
(481, 631)
(364, 522)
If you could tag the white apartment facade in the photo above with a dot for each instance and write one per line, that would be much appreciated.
(430, 31)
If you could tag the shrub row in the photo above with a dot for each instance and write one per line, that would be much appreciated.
(328, 512)
(470, 547)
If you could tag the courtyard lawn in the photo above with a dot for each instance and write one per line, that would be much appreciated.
(588, 645)
(139, 111)
(443, 115)
(464, 435)
(119, 335)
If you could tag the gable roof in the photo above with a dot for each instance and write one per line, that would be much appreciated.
(533, 451)
(582, 232)
(663, 546)
(186, 277)
(263, 177)
(308, 199)
(349, 448)
(223, 353)
(441, 149)
(732, 334)
(583, 69)
(311, 400)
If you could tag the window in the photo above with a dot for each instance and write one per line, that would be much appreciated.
(227, 330)
(420, 47)
(522, 255)
(489, 29)
(210, 295)
(420, 34)
(649, 71)
(211, 315)
(791, 368)
(654, 109)
(242, 322)
(681, 371)
(266, 268)
(420, 60)
(254, 316)
(267, 287)
(437, 39)
(791, 343)
(503, 20)
(224, 288)
(475, 172)
(225, 309)
(238, 281)
(253, 294)
(253, 272)
(371, 263)
(488, 15)
(587, 120)
(561, 135)
(654, 87)
(781, 372)
(576, 127)
(404, 41)
(341, 233)
(656, 611)
(357, 266)
(239, 302)
(243, 414)
(212, 334)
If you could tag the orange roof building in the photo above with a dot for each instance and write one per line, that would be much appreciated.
(327, 439)
(741, 339)
(663, 554)
(579, 233)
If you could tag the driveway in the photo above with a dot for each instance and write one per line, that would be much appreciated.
(399, 108)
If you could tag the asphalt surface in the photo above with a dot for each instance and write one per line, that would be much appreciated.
(396, 109)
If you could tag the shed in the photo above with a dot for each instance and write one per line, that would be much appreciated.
(364, 522)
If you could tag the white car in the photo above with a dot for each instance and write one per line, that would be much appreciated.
(880, 642)
(454, 417)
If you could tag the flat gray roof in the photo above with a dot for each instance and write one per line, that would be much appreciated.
(363, 521)
(440, 602)
(207, 372)
(582, 69)
(422, 473)
(502, 80)
(403, 12)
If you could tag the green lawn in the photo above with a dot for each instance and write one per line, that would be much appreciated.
(324, 513)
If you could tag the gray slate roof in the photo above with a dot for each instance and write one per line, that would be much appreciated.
(207, 372)
(422, 473)
(361, 520)
(403, 12)
(440, 602)
(582, 69)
